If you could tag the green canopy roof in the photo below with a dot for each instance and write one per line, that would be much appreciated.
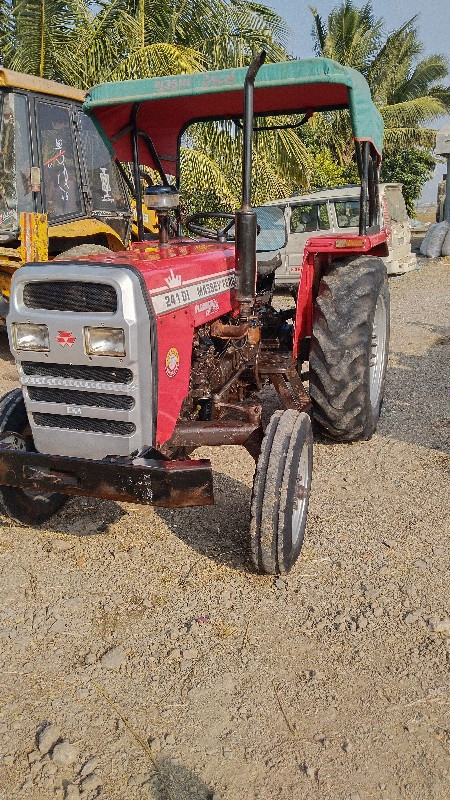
(168, 105)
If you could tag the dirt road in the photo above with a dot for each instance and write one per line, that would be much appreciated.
(157, 656)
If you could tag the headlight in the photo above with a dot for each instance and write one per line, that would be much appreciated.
(27, 336)
(104, 341)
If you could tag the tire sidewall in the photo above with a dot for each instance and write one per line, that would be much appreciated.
(14, 502)
(373, 412)
(341, 347)
(274, 492)
(301, 438)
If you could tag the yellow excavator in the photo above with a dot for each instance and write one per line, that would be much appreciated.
(60, 192)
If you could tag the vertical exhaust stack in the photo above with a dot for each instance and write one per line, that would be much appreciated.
(245, 224)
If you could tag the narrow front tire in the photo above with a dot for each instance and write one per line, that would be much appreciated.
(281, 491)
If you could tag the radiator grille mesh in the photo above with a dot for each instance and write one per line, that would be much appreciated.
(78, 372)
(111, 426)
(68, 396)
(77, 296)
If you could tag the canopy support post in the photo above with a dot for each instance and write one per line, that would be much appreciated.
(137, 176)
(363, 164)
(245, 218)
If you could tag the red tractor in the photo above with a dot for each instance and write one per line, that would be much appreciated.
(130, 361)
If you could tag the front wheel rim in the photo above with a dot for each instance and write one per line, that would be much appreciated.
(378, 351)
(300, 503)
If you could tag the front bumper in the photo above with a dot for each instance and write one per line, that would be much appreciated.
(170, 484)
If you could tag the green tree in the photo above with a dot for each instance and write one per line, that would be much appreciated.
(83, 43)
(406, 88)
(412, 167)
(36, 35)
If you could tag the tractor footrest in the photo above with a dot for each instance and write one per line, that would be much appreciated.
(170, 484)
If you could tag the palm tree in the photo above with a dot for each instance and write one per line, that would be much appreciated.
(36, 35)
(82, 43)
(404, 88)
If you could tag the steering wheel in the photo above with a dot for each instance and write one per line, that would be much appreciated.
(193, 224)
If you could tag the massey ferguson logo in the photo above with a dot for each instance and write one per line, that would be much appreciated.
(66, 338)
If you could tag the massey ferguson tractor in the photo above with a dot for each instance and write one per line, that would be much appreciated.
(130, 361)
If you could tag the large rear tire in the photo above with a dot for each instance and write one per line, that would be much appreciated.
(349, 348)
(281, 492)
(26, 507)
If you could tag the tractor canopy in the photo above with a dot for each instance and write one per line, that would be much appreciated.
(162, 108)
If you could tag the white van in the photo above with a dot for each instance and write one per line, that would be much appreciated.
(336, 210)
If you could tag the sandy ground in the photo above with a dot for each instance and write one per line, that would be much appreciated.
(143, 638)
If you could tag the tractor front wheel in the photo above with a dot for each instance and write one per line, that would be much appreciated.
(22, 505)
(349, 348)
(281, 492)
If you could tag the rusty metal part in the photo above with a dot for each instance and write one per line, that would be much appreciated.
(301, 396)
(252, 411)
(291, 390)
(281, 369)
(274, 361)
(217, 397)
(218, 432)
(254, 332)
(170, 484)
(221, 331)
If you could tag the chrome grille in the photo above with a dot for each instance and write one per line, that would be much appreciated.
(78, 372)
(70, 296)
(84, 424)
(69, 396)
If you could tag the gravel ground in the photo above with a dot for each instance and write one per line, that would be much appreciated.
(141, 658)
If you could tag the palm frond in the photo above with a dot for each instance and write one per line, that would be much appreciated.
(155, 60)
(44, 29)
(412, 112)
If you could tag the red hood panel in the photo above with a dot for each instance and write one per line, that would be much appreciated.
(189, 284)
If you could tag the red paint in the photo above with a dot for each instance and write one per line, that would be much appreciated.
(164, 119)
(53, 158)
(324, 247)
(169, 272)
(66, 338)
(187, 286)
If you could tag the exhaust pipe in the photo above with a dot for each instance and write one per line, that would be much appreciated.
(245, 224)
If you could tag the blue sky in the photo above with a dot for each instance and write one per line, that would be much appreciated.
(433, 24)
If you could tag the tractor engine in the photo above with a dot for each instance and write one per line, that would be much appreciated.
(221, 353)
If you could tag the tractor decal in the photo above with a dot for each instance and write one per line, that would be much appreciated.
(172, 362)
(193, 292)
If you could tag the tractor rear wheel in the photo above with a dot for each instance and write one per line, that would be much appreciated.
(281, 492)
(23, 505)
(349, 348)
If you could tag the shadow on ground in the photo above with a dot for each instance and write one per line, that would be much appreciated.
(85, 516)
(175, 781)
(219, 532)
